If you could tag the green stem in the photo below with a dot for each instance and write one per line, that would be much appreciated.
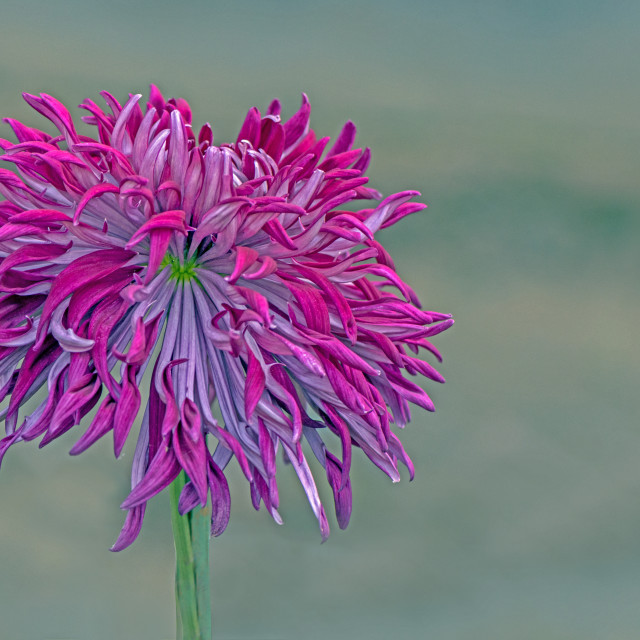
(193, 596)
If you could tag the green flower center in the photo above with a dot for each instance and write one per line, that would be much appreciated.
(180, 272)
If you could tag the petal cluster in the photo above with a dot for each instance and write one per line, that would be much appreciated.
(149, 277)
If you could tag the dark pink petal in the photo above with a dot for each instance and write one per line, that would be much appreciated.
(395, 446)
(35, 425)
(272, 139)
(340, 160)
(267, 267)
(185, 110)
(143, 340)
(220, 499)
(233, 445)
(155, 98)
(171, 413)
(104, 318)
(313, 306)
(254, 386)
(160, 241)
(37, 359)
(341, 492)
(306, 143)
(6, 442)
(77, 400)
(363, 161)
(297, 125)
(94, 192)
(345, 140)
(101, 424)
(275, 229)
(206, 134)
(26, 134)
(165, 221)
(45, 218)
(162, 471)
(126, 410)
(413, 365)
(8, 335)
(267, 450)
(189, 498)
(402, 211)
(10, 231)
(338, 350)
(257, 302)
(250, 129)
(189, 446)
(333, 294)
(80, 272)
(274, 108)
(409, 390)
(131, 528)
(55, 111)
(177, 154)
(245, 257)
(120, 137)
(345, 438)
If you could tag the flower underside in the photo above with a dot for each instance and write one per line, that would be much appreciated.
(233, 273)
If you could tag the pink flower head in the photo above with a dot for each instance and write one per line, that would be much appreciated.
(230, 273)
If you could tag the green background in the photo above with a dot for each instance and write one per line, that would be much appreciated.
(519, 123)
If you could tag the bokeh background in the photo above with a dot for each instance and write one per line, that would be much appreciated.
(519, 123)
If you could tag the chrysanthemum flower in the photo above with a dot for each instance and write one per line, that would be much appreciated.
(229, 274)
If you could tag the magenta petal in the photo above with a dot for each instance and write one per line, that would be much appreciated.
(126, 410)
(341, 494)
(233, 445)
(250, 128)
(189, 498)
(165, 221)
(345, 439)
(143, 340)
(131, 528)
(32, 253)
(245, 257)
(55, 111)
(220, 499)
(24, 133)
(6, 442)
(93, 192)
(101, 424)
(155, 98)
(342, 306)
(160, 241)
(162, 471)
(80, 272)
(191, 422)
(254, 387)
(344, 140)
(192, 454)
(37, 360)
(70, 408)
(297, 125)
(171, 414)
(267, 450)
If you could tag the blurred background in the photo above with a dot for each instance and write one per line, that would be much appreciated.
(518, 121)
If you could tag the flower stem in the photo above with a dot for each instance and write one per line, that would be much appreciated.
(193, 595)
